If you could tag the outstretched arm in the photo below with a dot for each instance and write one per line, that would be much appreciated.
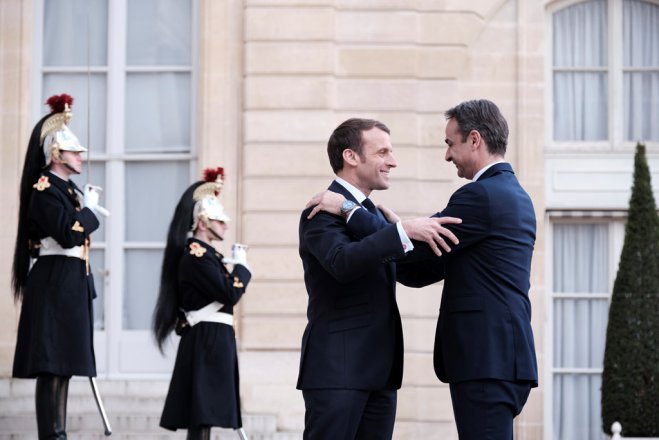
(327, 239)
(428, 230)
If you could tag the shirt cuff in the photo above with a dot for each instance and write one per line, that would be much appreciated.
(404, 239)
(352, 212)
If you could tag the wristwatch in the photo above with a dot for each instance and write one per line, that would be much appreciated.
(346, 207)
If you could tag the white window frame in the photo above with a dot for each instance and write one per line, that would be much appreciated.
(616, 235)
(614, 69)
(109, 340)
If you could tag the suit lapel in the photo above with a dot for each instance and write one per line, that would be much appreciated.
(338, 188)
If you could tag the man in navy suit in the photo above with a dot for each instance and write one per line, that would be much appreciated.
(352, 350)
(484, 344)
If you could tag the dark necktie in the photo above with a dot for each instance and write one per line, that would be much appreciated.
(368, 204)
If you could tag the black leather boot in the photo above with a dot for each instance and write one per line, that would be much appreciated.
(51, 396)
(199, 433)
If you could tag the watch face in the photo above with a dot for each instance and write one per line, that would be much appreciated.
(347, 206)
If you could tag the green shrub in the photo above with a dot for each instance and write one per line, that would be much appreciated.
(630, 381)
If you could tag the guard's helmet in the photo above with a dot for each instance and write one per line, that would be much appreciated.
(207, 204)
(55, 135)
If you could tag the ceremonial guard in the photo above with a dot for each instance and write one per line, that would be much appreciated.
(196, 298)
(51, 273)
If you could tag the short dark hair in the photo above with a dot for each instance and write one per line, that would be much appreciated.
(349, 135)
(486, 118)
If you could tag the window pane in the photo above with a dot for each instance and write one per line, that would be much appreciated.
(89, 97)
(75, 33)
(152, 192)
(576, 407)
(159, 32)
(580, 106)
(580, 35)
(581, 257)
(580, 332)
(580, 97)
(97, 266)
(641, 94)
(580, 263)
(641, 89)
(142, 278)
(640, 34)
(158, 112)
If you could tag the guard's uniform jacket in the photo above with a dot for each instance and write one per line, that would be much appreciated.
(204, 390)
(55, 331)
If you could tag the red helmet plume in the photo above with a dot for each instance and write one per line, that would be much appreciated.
(214, 174)
(57, 103)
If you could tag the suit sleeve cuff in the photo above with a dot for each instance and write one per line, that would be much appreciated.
(352, 212)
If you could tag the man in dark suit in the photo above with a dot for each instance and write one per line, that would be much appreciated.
(352, 350)
(484, 344)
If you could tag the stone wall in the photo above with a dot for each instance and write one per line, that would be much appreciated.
(15, 65)
(275, 78)
(309, 66)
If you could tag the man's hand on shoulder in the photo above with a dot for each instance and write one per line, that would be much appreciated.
(327, 201)
(430, 230)
(391, 216)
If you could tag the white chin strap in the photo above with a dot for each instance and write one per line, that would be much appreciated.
(213, 233)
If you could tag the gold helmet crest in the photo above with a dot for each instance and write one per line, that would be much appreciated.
(56, 135)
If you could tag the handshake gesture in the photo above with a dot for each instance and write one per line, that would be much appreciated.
(238, 256)
(90, 196)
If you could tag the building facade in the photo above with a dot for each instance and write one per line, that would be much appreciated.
(164, 88)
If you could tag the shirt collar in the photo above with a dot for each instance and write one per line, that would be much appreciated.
(485, 168)
(357, 194)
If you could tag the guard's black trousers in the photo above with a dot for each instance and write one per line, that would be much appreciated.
(199, 433)
(51, 396)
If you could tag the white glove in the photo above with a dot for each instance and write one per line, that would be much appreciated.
(238, 256)
(90, 196)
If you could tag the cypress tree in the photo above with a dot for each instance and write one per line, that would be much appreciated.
(630, 381)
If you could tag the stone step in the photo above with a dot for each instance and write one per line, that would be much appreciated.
(80, 386)
(112, 404)
(216, 434)
(89, 427)
(86, 404)
(91, 422)
(133, 407)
